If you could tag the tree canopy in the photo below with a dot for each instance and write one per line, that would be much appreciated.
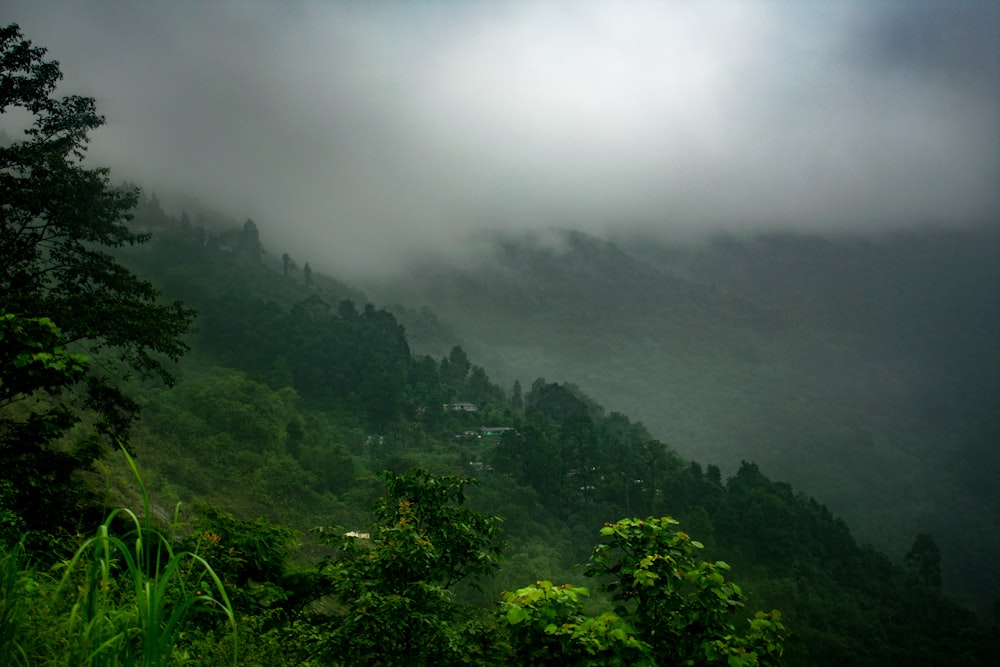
(78, 321)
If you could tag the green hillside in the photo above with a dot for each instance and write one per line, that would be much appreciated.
(210, 455)
(864, 371)
(564, 469)
(289, 401)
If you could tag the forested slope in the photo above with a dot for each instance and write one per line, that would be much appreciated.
(863, 370)
(287, 483)
(321, 393)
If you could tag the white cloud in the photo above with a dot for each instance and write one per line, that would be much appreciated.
(365, 132)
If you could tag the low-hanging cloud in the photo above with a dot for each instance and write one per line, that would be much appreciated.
(356, 134)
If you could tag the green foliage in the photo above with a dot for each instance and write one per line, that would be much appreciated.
(16, 588)
(548, 627)
(253, 414)
(558, 402)
(221, 439)
(457, 542)
(32, 346)
(251, 560)
(295, 396)
(358, 361)
(36, 479)
(393, 585)
(135, 595)
(586, 467)
(57, 219)
(681, 606)
(817, 357)
(671, 608)
(123, 598)
(63, 291)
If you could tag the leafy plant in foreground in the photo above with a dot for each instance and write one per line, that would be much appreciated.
(681, 606)
(548, 627)
(393, 585)
(124, 598)
(16, 589)
(672, 609)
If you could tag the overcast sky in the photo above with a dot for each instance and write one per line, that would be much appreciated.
(356, 133)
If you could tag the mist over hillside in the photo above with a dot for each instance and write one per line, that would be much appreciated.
(406, 248)
(864, 370)
(366, 132)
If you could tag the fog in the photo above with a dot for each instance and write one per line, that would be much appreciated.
(358, 134)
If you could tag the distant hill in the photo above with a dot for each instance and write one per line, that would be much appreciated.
(863, 370)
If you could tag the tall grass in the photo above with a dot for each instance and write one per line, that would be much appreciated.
(124, 598)
(15, 582)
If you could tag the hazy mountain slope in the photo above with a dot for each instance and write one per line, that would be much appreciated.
(265, 420)
(861, 371)
(920, 313)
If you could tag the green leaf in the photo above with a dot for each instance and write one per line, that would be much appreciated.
(516, 615)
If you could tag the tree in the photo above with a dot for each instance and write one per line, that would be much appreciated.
(455, 368)
(35, 479)
(249, 245)
(307, 274)
(394, 588)
(671, 608)
(65, 292)
(924, 559)
(713, 474)
(517, 396)
(548, 627)
(347, 311)
(679, 605)
(249, 557)
(555, 401)
(479, 389)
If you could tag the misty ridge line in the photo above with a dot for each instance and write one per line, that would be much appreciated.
(380, 133)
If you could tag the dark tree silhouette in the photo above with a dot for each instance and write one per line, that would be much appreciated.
(924, 559)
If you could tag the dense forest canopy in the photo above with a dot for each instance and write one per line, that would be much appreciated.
(308, 490)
